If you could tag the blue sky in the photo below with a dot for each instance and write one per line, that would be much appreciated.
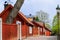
(32, 6)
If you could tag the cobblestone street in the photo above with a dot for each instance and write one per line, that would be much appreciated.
(42, 38)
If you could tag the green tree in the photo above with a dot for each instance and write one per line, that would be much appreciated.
(37, 19)
(42, 16)
(55, 25)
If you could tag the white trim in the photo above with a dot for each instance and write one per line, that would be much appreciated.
(30, 30)
(38, 30)
(19, 30)
(0, 28)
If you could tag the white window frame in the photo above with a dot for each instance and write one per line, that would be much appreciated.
(19, 35)
(38, 30)
(30, 30)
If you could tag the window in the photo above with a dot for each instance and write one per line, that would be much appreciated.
(40, 29)
(44, 29)
(30, 29)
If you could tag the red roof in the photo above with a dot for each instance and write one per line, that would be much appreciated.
(47, 29)
(40, 24)
(6, 11)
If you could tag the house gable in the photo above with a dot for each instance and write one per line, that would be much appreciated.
(19, 16)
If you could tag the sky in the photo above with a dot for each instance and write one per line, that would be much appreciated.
(32, 6)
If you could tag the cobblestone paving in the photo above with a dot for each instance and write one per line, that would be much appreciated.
(42, 38)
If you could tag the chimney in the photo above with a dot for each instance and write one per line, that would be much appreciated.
(30, 14)
(5, 4)
(33, 18)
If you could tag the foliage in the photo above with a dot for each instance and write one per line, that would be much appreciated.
(55, 25)
(43, 16)
(48, 26)
(37, 19)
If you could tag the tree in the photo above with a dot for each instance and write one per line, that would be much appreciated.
(36, 18)
(55, 25)
(14, 11)
(42, 16)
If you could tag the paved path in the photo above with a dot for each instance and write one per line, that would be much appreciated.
(42, 38)
(37, 38)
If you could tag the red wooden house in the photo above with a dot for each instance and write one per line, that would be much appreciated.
(10, 30)
(41, 29)
(38, 27)
(28, 28)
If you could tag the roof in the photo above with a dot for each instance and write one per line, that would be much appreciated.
(40, 24)
(28, 16)
(21, 14)
(9, 7)
(48, 29)
(3, 12)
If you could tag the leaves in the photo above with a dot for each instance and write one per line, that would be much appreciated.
(55, 25)
(43, 16)
(37, 19)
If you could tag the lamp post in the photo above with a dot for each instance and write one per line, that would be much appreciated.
(58, 12)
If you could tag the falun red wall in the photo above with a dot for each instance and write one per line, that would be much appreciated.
(35, 30)
(9, 31)
(24, 30)
(47, 33)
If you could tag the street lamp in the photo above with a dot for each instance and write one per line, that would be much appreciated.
(58, 12)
